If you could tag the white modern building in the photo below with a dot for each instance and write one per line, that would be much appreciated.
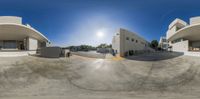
(16, 36)
(163, 44)
(184, 37)
(126, 42)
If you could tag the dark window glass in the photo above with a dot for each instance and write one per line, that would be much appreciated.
(178, 28)
(164, 40)
(8, 44)
(127, 38)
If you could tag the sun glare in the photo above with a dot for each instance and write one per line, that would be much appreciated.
(100, 34)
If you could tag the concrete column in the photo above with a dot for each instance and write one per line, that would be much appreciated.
(32, 44)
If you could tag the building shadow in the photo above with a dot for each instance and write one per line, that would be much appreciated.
(157, 56)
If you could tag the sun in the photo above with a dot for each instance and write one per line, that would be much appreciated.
(100, 34)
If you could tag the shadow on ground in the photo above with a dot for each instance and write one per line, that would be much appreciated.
(155, 56)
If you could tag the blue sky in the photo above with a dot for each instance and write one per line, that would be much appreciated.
(75, 22)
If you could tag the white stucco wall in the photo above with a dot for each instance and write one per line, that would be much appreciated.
(32, 43)
(177, 22)
(182, 46)
(132, 45)
(194, 20)
(116, 43)
(172, 29)
(171, 32)
(123, 45)
(10, 19)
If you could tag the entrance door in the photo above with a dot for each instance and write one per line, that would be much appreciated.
(20, 45)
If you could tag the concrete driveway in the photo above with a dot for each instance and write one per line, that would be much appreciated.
(89, 78)
(90, 54)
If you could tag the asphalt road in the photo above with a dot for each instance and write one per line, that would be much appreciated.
(90, 78)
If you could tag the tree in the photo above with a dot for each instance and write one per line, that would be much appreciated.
(110, 46)
(81, 48)
(86, 47)
(104, 45)
(154, 44)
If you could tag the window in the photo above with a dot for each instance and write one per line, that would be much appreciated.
(177, 40)
(132, 40)
(136, 41)
(164, 40)
(9, 44)
(178, 28)
(127, 38)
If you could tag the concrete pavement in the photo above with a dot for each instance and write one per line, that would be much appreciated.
(89, 78)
